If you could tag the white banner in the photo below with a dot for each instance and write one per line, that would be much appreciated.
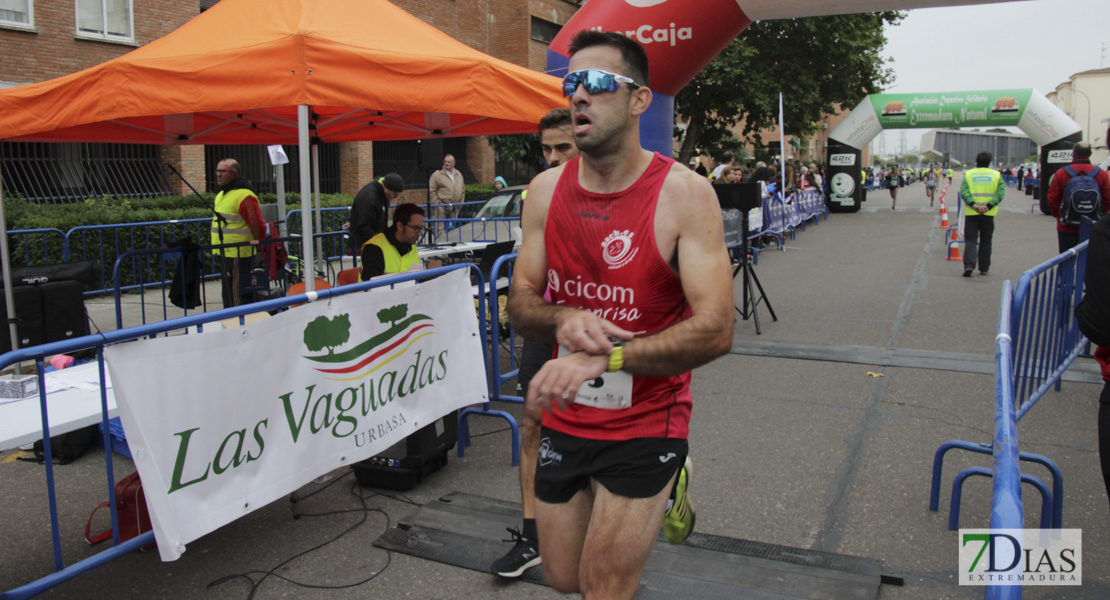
(224, 422)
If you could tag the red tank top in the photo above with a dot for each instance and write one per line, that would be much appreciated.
(602, 257)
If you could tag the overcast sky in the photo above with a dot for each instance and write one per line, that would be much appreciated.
(1033, 44)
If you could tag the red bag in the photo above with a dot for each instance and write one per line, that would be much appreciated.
(131, 512)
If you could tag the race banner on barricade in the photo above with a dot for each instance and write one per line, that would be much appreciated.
(810, 202)
(224, 422)
(791, 217)
(773, 209)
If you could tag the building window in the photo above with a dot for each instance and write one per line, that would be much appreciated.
(544, 31)
(108, 19)
(17, 12)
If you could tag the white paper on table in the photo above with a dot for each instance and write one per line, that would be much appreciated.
(85, 377)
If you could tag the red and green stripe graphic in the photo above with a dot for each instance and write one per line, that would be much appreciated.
(372, 354)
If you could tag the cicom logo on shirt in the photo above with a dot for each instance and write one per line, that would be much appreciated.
(617, 249)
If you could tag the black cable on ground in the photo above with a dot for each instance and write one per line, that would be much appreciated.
(355, 491)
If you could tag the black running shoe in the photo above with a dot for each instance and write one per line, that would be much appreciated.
(523, 555)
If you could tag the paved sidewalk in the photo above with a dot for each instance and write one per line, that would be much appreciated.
(795, 442)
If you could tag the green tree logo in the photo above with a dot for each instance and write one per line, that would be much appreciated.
(393, 314)
(327, 333)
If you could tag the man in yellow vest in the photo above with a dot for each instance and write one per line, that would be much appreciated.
(982, 191)
(238, 219)
(394, 250)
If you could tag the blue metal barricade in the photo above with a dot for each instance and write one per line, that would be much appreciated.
(38, 247)
(158, 269)
(496, 376)
(1047, 337)
(38, 354)
(105, 243)
(1038, 339)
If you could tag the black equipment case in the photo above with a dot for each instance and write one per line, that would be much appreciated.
(405, 464)
(49, 303)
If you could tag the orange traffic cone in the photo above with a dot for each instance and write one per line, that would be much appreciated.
(954, 247)
(944, 216)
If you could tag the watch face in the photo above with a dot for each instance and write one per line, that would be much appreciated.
(843, 184)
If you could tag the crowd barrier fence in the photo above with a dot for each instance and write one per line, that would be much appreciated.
(1038, 339)
(104, 244)
(502, 369)
(154, 268)
(196, 322)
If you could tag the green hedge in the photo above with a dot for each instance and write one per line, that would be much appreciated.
(102, 246)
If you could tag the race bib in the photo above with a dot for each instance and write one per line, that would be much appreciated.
(610, 391)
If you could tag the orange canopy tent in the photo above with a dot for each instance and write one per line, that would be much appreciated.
(284, 72)
(237, 73)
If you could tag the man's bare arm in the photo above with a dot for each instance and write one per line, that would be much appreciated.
(531, 315)
(705, 271)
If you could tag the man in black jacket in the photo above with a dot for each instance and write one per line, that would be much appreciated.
(1093, 317)
(370, 210)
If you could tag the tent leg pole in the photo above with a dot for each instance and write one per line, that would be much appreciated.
(320, 256)
(6, 265)
(306, 198)
(283, 227)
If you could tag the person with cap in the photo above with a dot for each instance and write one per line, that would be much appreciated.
(370, 210)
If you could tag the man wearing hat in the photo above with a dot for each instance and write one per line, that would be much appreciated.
(370, 211)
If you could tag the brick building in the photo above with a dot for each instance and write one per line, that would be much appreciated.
(44, 39)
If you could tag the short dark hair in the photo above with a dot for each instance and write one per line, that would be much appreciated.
(727, 156)
(558, 117)
(404, 212)
(1081, 150)
(983, 159)
(632, 54)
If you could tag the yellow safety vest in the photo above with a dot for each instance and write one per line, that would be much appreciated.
(983, 184)
(235, 227)
(394, 262)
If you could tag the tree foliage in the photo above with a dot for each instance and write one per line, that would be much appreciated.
(393, 314)
(818, 63)
(524, 148)
(322, 333)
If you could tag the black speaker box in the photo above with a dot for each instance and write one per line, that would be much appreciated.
(28, 310)
(405, 464)
(64, 303)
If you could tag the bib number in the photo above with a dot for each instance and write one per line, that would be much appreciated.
(610, 391)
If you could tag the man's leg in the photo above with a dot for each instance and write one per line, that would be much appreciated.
(1104, 435)
(563, 530)
(971, 243)
(1067, 240)
(986, 235)
(618, 542)
(229, 281)
(525, 550)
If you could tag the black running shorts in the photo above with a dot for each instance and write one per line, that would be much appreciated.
(636, 468)
(532, 358)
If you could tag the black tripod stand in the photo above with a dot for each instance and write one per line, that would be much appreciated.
(751, 300)
(742, 198)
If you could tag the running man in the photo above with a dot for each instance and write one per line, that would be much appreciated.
(631, 247)
(931, 178)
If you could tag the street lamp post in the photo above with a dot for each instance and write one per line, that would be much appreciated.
(1086, 132)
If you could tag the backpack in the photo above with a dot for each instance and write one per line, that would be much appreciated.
(1082, 197)
(67, 447)
(131, 512)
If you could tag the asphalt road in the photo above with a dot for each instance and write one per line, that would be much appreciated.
(823, 451)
